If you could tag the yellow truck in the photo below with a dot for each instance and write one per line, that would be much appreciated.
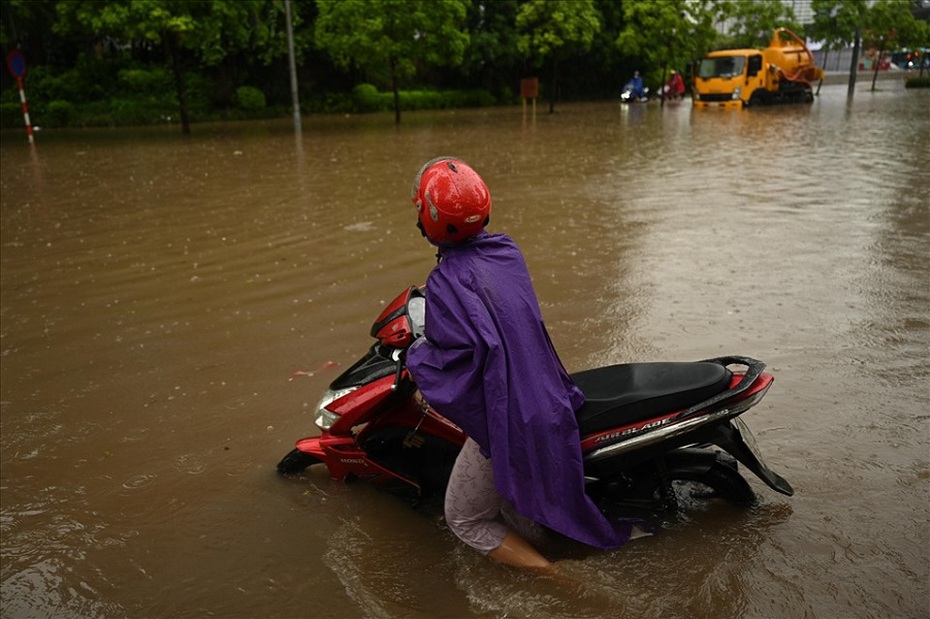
(738, 78)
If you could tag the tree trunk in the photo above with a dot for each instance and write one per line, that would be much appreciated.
(396, 91)
(826, 55)
(854, 65)
(881, 52)
(174, 54)
(555, 85)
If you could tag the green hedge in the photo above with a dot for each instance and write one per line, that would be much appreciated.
(146, 81)
(112, 113)
(11, 115)
(59, 113)
(367, 99)
(250, 99)
(147, 97)
(917, 82)
(85, 96)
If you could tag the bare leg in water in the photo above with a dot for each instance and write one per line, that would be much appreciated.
(518, 552)
(473, 512)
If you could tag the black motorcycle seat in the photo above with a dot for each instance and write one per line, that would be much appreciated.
(618, 395)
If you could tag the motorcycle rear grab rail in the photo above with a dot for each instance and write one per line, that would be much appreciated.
(754, 370)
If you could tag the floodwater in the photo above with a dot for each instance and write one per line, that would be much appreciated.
(160, 293)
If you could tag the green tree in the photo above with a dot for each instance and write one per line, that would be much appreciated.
(890, 23)
(843, 22)
(754, 21)
(922, 39)
(492, 57)
(207, 31)
(555, 30)
(597, 71)
(669, 33)
(840, 22)
(836, 22)
(393, 36)
(27, 24)
(824, 28)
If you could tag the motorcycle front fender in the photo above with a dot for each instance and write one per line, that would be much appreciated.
(312, 446)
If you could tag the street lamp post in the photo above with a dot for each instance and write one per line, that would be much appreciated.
(295, 99)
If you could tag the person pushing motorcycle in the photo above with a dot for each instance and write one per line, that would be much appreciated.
(487, 363)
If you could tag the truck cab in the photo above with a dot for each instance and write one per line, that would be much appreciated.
(727, 78)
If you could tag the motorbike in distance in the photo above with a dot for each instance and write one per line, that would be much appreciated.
(648, 432)
(629, 95)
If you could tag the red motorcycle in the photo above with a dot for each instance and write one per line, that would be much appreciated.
(648, 431)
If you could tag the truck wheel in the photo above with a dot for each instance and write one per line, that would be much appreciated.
(759, 98)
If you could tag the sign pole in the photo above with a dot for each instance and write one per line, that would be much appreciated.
(22, 100)
(16, 63)
(292, 66)
(529, 89)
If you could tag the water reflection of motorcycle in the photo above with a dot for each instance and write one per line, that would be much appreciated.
(647, 430)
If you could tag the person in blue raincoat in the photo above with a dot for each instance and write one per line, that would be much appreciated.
(486, 362)
(635, 86)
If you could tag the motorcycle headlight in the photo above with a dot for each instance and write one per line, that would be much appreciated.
(325, 417)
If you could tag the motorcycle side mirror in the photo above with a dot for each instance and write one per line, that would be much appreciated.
(397, 325)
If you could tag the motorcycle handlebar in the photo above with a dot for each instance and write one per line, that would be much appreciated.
(399, 355)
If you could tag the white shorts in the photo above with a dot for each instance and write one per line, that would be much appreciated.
(474, 510)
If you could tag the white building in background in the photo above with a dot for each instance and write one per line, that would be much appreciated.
(802, 10)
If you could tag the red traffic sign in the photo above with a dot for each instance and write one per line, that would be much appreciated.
(16, 63)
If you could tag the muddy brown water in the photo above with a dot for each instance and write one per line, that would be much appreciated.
(158, 294)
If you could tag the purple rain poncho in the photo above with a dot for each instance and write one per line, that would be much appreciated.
(488, 365)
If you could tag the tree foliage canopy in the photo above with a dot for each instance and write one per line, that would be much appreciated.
(211, 29)
(552, 30)
(556, 28)
(837, 22)
(396, 36)
(754, 21)
(374, 34)
(82, 50)
(672, 33)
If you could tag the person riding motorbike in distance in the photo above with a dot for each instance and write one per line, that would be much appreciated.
(486, 362)
(675, 87)
(635, 86)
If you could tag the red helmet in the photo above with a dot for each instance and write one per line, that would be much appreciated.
(453, 202)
